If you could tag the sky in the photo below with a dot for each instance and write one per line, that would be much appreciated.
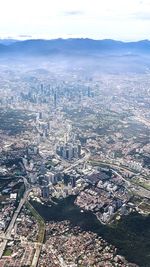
(127, 20)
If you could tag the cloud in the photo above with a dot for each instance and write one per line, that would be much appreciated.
(98, 19)
(24, 36)
(141, 16)
(73, 13)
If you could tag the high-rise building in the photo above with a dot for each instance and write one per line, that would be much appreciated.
(45, 191)
(42, 169)
(89, 92)
(55, 100)
(75, 152)
(48, 126)
(69, 150)
(123, 209)
(79, 149)
(45, 188)
(64, 152)
(73, 181)
(40, 116)
(42, 87)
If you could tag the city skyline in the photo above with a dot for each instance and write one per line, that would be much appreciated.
(74, 131)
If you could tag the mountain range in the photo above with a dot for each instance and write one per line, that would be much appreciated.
(72, 46)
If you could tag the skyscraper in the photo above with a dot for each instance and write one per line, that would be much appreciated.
(55, 100)
(89, 92)
(45, 189)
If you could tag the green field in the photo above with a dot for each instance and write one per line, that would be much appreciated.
(7, 252)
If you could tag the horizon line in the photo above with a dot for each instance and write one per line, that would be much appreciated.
(68, 38)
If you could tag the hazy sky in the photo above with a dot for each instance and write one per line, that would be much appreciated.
(98, 19)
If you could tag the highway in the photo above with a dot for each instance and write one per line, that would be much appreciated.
(136, 189)
(143, 120)
(119, 175)
(7, 234)
(36, 254)
(85, 158)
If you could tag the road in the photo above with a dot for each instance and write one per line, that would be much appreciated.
(85, 158)
(36, 254)
(143, 120)
(7, 234)
(119, 175)
(137, 190)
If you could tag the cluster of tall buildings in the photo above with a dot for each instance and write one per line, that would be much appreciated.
(44, 94)
(69, 151)
(48, 182)
(45, 181)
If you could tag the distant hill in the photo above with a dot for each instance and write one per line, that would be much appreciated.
(72, 47)
(8, 41)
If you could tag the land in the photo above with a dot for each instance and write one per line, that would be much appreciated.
(70, 130)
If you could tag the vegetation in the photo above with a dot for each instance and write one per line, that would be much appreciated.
(131, 234)
(7, 252)
(40, 221)
(13, 121)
